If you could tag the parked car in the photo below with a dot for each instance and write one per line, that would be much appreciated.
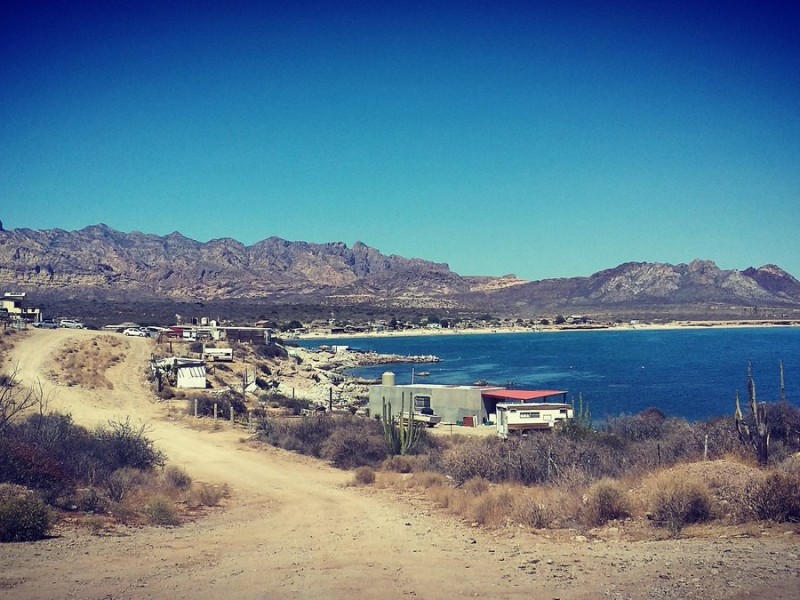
(71, 324)
(46, 324)
(134, 332)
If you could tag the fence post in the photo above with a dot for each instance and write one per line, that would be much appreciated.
(215, 411)
(232, 415)
(195, 408)
(249, 420)
(705, 448)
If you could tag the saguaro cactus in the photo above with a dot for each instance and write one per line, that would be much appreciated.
(757, 432)
(402, 434)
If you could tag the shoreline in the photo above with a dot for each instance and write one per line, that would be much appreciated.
(676, 325)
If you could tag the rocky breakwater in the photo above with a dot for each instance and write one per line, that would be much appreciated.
(319, 375)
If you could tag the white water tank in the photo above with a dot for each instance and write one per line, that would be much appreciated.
(388, 379)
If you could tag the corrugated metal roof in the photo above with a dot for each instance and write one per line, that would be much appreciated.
(522, 395)
(191, 372)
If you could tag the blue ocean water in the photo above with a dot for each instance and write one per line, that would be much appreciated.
(692, 374)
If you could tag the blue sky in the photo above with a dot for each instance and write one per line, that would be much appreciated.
(543, 139)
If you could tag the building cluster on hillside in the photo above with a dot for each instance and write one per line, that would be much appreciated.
(15, 308)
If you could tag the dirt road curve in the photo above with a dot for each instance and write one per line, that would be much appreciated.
(295, 530)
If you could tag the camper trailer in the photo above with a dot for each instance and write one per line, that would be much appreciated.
(218, 354)
(524, 416)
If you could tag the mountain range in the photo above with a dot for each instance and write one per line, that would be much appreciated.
(101, 263)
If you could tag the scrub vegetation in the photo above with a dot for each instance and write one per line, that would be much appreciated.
(647, 468)
(51, 468)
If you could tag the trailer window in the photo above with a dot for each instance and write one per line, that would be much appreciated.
(530, 415)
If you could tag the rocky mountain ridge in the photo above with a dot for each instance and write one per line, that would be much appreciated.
(98, 262)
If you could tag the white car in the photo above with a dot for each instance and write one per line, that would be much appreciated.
(70, 324)
(134, 332)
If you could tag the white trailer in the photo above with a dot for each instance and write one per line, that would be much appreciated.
(218, 354)
(519, 417)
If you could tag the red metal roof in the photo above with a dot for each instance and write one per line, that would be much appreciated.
(522, 395)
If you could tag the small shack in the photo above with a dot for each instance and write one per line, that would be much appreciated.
(191, 377)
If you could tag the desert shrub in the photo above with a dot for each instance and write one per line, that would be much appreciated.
(605, 500)
(224, 402)
(119, 483)
(311, 433)
(23, 515)
(364, 476)
(723, 440)
(645, 425)
(270, 351)
(776, 497)
(295, 406)
(679, 503)
(28, 465)
(476, 486)
(89, 500)
(166, 393)
(473, 458)
(177, 477)
(160, 510)
(398, 464)
(347, 448)
(784, 424)
(427, 480)
(532, 512)
(492, 508)
(206, 495)
(126, 445)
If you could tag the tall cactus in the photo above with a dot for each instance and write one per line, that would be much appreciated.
(400, 435)
(756, 433)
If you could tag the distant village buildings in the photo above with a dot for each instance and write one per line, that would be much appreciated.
(14, 306)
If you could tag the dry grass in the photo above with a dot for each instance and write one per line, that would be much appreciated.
(204, 494)
(84, 363)
(605, 500)
(364, 476)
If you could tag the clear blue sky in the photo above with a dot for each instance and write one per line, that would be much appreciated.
(545, 139)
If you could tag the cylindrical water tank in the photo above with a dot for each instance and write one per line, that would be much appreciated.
(387, 379)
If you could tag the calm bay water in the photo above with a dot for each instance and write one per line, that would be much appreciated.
(686, 373)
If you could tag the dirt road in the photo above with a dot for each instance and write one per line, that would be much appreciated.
(294, 529)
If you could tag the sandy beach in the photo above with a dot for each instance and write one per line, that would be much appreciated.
(633, 326)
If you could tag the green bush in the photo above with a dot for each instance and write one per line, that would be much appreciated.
(23, 515)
